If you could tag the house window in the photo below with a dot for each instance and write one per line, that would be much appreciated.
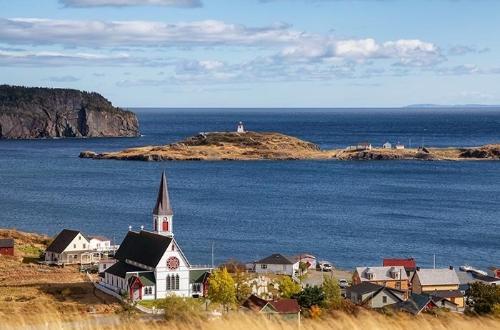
(74, 246)
(384, 299)
(104, 266)
(398, 285)
(177, 282)
(168, 282)
(84, 245)
(196, 287)
(79, 238)
(173, 247)
(263, 266)
(148, 290)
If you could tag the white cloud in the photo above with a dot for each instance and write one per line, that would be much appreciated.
(57, 58)
(140, 33)
(123, 3)
(67, 78)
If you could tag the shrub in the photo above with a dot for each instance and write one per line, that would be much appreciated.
(180, 309)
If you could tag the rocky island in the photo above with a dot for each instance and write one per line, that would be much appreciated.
(32, 112)
(277, 146)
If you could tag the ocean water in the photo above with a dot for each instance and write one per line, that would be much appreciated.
(351, 213)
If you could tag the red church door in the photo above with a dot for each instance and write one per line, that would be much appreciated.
(164, 226)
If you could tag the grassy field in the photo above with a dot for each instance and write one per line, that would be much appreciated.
(43, 319)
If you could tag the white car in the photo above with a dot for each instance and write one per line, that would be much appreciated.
(343, 283)
(325, 267)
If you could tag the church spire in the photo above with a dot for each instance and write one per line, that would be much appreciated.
(162, 206)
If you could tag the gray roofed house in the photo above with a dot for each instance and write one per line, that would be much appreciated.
(6, 243)
(416, 304)
(276, 264)
(162, 206)
(440, 282)
(373, 295)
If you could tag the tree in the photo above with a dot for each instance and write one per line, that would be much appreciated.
(221, 288)
(331, 288)
(310, 296)
(485, 299)
(243, 290)
(288, 287)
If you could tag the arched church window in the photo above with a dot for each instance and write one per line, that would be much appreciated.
(168, 282)
(164, 225)
(177, 282)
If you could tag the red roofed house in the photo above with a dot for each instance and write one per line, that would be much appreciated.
(7, 247)
(409, 264)
(287, 309)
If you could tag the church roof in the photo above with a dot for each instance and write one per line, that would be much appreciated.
(61, 242)
(121, 268)
(143, 247)
(163, 206)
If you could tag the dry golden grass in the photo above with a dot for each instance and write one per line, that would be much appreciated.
(41, 319)
(26, 285)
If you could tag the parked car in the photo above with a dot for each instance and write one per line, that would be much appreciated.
(343, 283)
(325, 266)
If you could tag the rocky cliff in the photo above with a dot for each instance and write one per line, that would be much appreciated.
(30, 113)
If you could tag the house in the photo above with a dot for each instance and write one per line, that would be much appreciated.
(408, 263)
(390, 276)
(364, 146)
(373, 295)
(276, 264)
(70, 247)
(399, 146)
(442, 302)
(99, 243)
(151, 265)
(494, 272)
(387, 145)
(468, 277)
(7, 247)
(440, 283)
(416, 304)
(287, 309)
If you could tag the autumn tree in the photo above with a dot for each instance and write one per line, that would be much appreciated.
(221, 288)
(288, 287)
(331, 289)
(243, 290)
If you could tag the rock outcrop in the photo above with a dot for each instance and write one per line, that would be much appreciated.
(30, 113)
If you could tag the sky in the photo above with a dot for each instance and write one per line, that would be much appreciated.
(257, 53)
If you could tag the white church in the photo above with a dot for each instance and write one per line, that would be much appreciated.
(151, 265)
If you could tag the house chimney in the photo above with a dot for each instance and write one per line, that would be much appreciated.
(451, 267)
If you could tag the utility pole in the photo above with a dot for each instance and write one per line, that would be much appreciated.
(212, 254)
(434, 261)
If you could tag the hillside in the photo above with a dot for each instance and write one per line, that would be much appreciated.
(30, 113)
(26, 286)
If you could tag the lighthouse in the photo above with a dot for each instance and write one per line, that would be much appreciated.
(240, 128)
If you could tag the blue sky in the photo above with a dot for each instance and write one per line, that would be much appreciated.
(257, 53)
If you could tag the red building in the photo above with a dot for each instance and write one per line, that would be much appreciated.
(409, 264)
(7, 247)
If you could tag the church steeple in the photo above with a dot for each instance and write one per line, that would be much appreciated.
(162, 212)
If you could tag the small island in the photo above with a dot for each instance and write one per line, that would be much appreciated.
(34, 113)
(247, 145)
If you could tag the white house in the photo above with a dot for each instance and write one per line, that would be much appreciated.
(400, 146)
(151, 265)
(70, 247)
(99, 243)
(387, 145)
(277, 264)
